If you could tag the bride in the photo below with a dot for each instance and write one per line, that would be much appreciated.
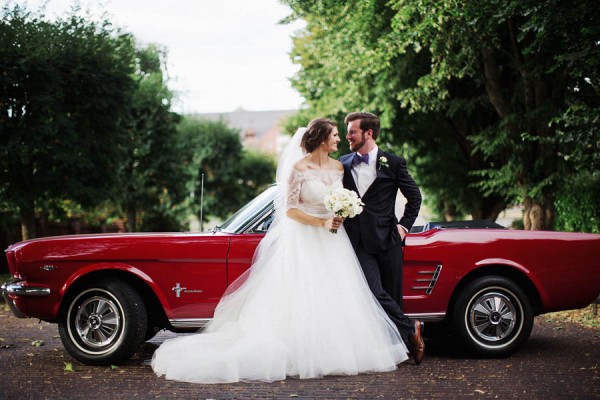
(304, 308)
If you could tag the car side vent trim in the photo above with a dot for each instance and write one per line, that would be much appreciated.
(427, 284)
(189, 322)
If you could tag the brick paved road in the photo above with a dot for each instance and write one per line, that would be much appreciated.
(560, 361)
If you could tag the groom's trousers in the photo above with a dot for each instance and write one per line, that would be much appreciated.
(383, 272)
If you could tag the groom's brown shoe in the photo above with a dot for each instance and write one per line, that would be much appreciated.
(417, 343)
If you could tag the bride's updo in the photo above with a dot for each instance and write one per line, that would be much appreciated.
(317, 132)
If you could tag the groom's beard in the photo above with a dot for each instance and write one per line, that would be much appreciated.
(356, 146)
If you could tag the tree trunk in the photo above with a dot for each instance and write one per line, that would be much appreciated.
(493, 83)
(493, 213)
(75, 225)
(449, 211)
(41, 226)
(131, 218)
(538, 216)
(27, 217)
(489, 208)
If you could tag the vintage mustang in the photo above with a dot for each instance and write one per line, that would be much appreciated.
(110, 292)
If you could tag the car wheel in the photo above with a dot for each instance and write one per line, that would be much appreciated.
(151, 331)
(492, 317)
(104, 323)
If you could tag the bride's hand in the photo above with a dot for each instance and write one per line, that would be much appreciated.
(334, 223)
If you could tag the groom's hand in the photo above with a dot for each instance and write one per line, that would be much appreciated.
(401, 231)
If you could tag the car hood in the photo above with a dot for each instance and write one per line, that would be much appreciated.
(119, 246)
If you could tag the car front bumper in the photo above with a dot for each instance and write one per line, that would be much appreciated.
(16, 287)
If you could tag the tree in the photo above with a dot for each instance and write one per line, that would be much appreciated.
(524, 55)
(155, 169)
(232, 176)
(496, 93)
(256, 172)
(348, 65)
(64, 90)
(578, 205)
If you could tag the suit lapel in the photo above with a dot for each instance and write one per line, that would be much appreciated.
(379, 168)
(347, 163)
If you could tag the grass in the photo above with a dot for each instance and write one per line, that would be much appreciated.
(588, 316)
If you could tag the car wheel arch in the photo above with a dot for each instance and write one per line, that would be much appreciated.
(156, 313)
(515, 275)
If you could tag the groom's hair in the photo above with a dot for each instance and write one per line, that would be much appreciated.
(318, 131)
(367, 121)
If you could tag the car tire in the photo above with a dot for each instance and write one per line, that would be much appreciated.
(151, 331)
(492, 317)
(104, 323)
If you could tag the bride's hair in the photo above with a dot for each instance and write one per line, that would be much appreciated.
(318, 131)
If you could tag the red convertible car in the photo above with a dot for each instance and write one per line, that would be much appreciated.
(110, 292)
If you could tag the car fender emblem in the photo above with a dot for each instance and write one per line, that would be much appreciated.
(48, 267)
(178, 289)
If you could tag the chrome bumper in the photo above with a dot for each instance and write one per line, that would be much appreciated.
(16, 288)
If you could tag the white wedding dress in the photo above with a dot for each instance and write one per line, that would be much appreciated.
(302, 310)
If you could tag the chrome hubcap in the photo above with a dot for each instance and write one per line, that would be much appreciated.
(492, 316)
(97, 321)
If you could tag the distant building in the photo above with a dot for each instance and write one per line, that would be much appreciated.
(259, 130)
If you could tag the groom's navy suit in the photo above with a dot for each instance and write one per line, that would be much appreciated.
(374, 233)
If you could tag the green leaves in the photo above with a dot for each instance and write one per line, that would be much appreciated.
(153, 170)
(85, 121)
(232, 176)
(506, 92)
(63, 94)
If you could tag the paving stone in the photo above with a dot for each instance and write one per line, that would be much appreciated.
(560, 361)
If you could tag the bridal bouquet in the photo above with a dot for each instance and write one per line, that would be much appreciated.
(344, 203)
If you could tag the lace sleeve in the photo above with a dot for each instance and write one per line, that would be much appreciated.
(293, 190)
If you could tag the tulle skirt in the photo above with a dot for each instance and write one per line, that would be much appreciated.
(303, 310)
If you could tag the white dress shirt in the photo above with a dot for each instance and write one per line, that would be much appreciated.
(364, 174)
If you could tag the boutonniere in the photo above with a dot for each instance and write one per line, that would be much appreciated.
(383, 162)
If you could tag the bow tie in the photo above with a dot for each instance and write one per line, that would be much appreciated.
(358, 159)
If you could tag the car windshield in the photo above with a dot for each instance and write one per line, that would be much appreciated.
(238, 221)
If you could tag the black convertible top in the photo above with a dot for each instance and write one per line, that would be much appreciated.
(476, 224)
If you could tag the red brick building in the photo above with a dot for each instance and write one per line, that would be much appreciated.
(259, 130)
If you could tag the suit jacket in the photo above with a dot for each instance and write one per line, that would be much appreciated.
(375, 228)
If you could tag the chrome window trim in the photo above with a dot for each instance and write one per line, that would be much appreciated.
(259, 211)
(252, 224)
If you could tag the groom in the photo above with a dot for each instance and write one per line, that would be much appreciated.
(376, 235)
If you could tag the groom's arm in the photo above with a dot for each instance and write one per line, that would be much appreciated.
(411, 192)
